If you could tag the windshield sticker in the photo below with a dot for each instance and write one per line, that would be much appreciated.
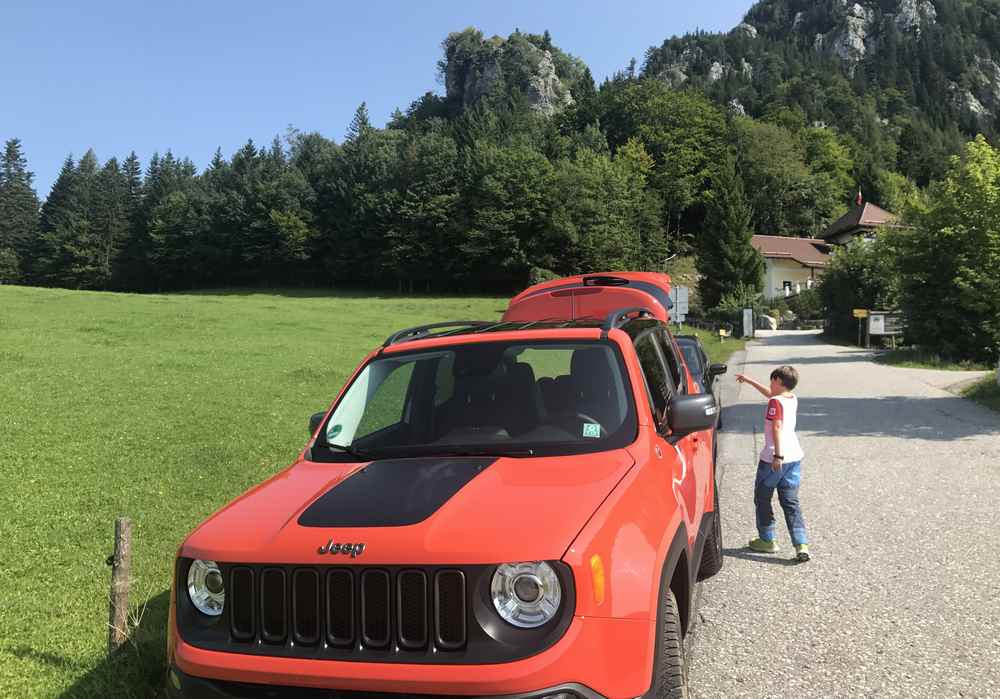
(591, 430)
(333, 431)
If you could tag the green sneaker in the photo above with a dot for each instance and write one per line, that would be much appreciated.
(802, 552)
(763, 546)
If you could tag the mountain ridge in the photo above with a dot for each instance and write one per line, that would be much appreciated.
(894, 74)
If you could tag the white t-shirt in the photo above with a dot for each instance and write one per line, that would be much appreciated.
(782, 408)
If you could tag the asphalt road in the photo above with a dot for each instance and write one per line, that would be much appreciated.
(901, 494)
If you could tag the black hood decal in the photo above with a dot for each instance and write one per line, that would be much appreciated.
(393, 492)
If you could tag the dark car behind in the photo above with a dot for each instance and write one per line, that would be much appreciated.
(702, 370)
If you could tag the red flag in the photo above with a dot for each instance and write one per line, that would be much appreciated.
(859, 200)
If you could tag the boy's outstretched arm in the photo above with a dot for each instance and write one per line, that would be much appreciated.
(764, 390)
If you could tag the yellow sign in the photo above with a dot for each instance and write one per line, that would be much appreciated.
(860, 313)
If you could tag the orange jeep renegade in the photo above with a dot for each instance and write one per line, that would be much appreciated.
(507, 509)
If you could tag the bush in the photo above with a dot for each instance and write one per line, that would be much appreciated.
(950, 263)
(863, 274)
(807, 305)
(538, 275)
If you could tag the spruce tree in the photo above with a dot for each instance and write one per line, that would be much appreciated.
(109, 220)
(18, 212)
(360, 124)
(726, 259)
(62, 216)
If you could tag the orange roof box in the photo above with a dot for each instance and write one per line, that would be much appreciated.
(592, 296)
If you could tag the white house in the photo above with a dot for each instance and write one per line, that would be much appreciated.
(792, 264)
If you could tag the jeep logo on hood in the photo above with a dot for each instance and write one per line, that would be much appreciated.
(352, 550)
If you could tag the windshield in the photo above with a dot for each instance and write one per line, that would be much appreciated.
(516, 398)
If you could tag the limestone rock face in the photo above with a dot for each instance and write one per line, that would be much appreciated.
(914, 15)
(716, 72)
(479, 80)
(849, 42)
(736, 107)
(477, 68)
(967, 102)
(675, 74)
(985, 78)
(546, 93)
(747, 29)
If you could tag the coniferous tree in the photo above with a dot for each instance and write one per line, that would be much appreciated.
(726, 259)
(109, 220)
(63, 221)
(18, 213)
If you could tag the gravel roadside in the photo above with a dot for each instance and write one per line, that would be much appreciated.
(901, 483)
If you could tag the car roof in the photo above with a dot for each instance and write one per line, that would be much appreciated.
(455, 332)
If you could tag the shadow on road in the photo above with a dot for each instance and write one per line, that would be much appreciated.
(805, 338)
(938, 419)
(748, 555)
(852, 357)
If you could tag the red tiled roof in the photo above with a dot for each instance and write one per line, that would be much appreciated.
(865, 216)
(808, 252)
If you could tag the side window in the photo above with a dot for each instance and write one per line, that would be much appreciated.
(444, 379)
(651, 361)
(673, 364)
(385, 406)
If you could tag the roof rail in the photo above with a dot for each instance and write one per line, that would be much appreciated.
(617, 319)
(422, 330)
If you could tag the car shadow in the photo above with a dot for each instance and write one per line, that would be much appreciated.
(748, 555)
(137, 670)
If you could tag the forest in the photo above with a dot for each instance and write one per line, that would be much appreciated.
(524, 168)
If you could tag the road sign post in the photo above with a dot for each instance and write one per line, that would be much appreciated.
(860, 314)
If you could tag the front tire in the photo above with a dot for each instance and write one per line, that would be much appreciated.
(669, 670)
(711, 556)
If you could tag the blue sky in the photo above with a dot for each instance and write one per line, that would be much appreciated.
(193, 76)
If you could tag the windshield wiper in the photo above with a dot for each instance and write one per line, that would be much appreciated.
(359, 454)
(512, 453)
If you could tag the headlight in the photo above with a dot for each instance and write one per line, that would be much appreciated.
(526, 595)
(205, 587)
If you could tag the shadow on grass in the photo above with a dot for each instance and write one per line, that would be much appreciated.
(769, 558)
(138, 670)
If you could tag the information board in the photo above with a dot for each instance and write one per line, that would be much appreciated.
(680, 295)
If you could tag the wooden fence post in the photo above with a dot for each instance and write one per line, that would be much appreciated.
(121, 565)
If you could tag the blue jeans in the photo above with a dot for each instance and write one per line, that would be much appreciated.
(786, 482)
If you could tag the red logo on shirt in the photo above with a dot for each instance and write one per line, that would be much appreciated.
(774, 410)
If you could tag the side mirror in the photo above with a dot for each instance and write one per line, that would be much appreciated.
(687, 414)
(717, 369)
(315, 421)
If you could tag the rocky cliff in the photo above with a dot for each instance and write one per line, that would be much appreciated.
(935, 52)
(475, 68)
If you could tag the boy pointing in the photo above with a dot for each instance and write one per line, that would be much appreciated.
(780, 464)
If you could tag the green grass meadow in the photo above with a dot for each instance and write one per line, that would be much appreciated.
(985, 392)
(161, 408)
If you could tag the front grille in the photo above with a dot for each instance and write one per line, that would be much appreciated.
(340, 611)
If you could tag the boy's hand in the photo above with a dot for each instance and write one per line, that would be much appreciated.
(776, 464)
(740, 378)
